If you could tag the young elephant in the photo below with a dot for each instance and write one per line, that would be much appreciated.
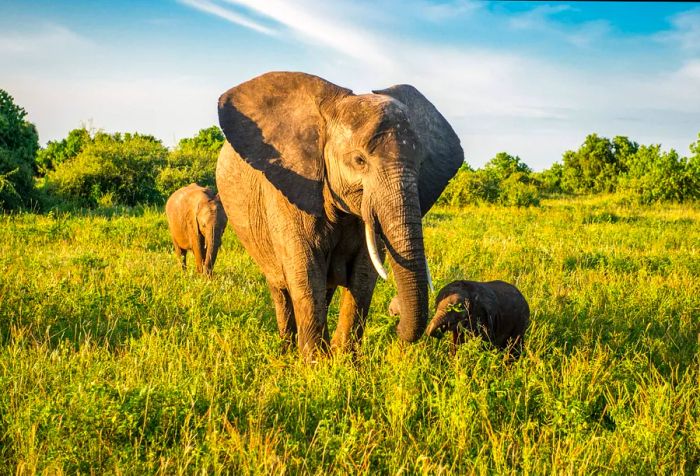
(197, 221)
(494, 310)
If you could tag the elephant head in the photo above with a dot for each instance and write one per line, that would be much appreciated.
(211, 221)
(494, 310)
(456, 308)
(384, 157)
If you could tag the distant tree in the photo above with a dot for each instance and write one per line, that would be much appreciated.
(693, 169)
(503, 165)
(112, 169)
(504, 179)
(654, 175)
(57, 152)
(597, 164)
(18, 145)
(549, 180)
(518, 190)
(210, 139)
(193, 160)
(623, 150)
(591, 168)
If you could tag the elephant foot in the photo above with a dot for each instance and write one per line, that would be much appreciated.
(345, 345)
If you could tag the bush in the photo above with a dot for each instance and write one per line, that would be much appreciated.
(193, 160)
(18, 145)
(504, 179)
(549, 181)
(596, 165)
(655, 175)
(110, 169)
(57, 152)
(503, 165)
(517, 190)
(469, 186)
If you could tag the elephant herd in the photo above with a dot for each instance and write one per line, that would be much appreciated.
(310, 176)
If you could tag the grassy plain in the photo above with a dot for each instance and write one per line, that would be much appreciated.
(114, 361)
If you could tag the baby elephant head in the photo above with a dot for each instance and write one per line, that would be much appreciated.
(211, 221)
(495, 311)
(455, 309)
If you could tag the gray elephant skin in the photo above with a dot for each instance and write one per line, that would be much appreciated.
(197, 220)
(495, 310)
(311, 174)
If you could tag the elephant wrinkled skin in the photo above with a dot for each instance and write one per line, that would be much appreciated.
(494, 310)
(311, 174)
(197, 220)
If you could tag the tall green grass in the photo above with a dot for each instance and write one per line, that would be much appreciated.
(114, 361)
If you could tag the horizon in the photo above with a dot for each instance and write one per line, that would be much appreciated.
(531, 79)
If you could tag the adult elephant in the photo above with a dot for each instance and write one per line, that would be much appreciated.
(310, 172)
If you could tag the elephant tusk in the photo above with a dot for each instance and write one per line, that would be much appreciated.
(430, 278)
(371, 239)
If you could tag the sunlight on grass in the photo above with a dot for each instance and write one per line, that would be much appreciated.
(113, 360)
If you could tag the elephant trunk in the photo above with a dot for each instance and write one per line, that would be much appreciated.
(439, 320)
(212, 242)
(399, 218)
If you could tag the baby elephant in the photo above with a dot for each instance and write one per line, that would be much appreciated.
(197, 221)
(494, 310)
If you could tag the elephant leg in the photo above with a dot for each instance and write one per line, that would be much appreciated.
(285, 315)
(330, 292)
(181, 255)
(310, 312)
(329, 295)
(354, 305)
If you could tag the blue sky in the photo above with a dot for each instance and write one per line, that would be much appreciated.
(528, 78)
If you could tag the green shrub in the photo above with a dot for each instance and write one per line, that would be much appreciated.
(123, 170)
(57, 152)
(504, 179)
(193, 160)
(596, 165)
(18, 145)
(517, 190)
(469, 186)
(549, 181)
(655, 175)
(503, 165)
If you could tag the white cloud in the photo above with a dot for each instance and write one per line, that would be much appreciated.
(43, 40)
(497, 99)
(233, 17)
(444, 11)
(312, 23)
(685, 31)
(541, 20)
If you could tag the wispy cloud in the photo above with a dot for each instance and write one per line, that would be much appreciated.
(685, 31)
(227, 14)
(496, 99)
(506, 81)
(311, 23)
(448, 10)
(41, 40)
(542, 19)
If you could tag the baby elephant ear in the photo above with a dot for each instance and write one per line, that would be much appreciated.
(444, 153)
(274, 123)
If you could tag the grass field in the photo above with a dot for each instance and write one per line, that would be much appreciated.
(114, 361)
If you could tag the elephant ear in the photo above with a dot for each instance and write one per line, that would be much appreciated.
(444, 153)
(274, 123)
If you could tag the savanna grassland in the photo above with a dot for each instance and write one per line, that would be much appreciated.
(114, 361)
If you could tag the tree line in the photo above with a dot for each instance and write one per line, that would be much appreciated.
(94, 168)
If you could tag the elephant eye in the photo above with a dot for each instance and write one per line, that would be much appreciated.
(359, 161)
